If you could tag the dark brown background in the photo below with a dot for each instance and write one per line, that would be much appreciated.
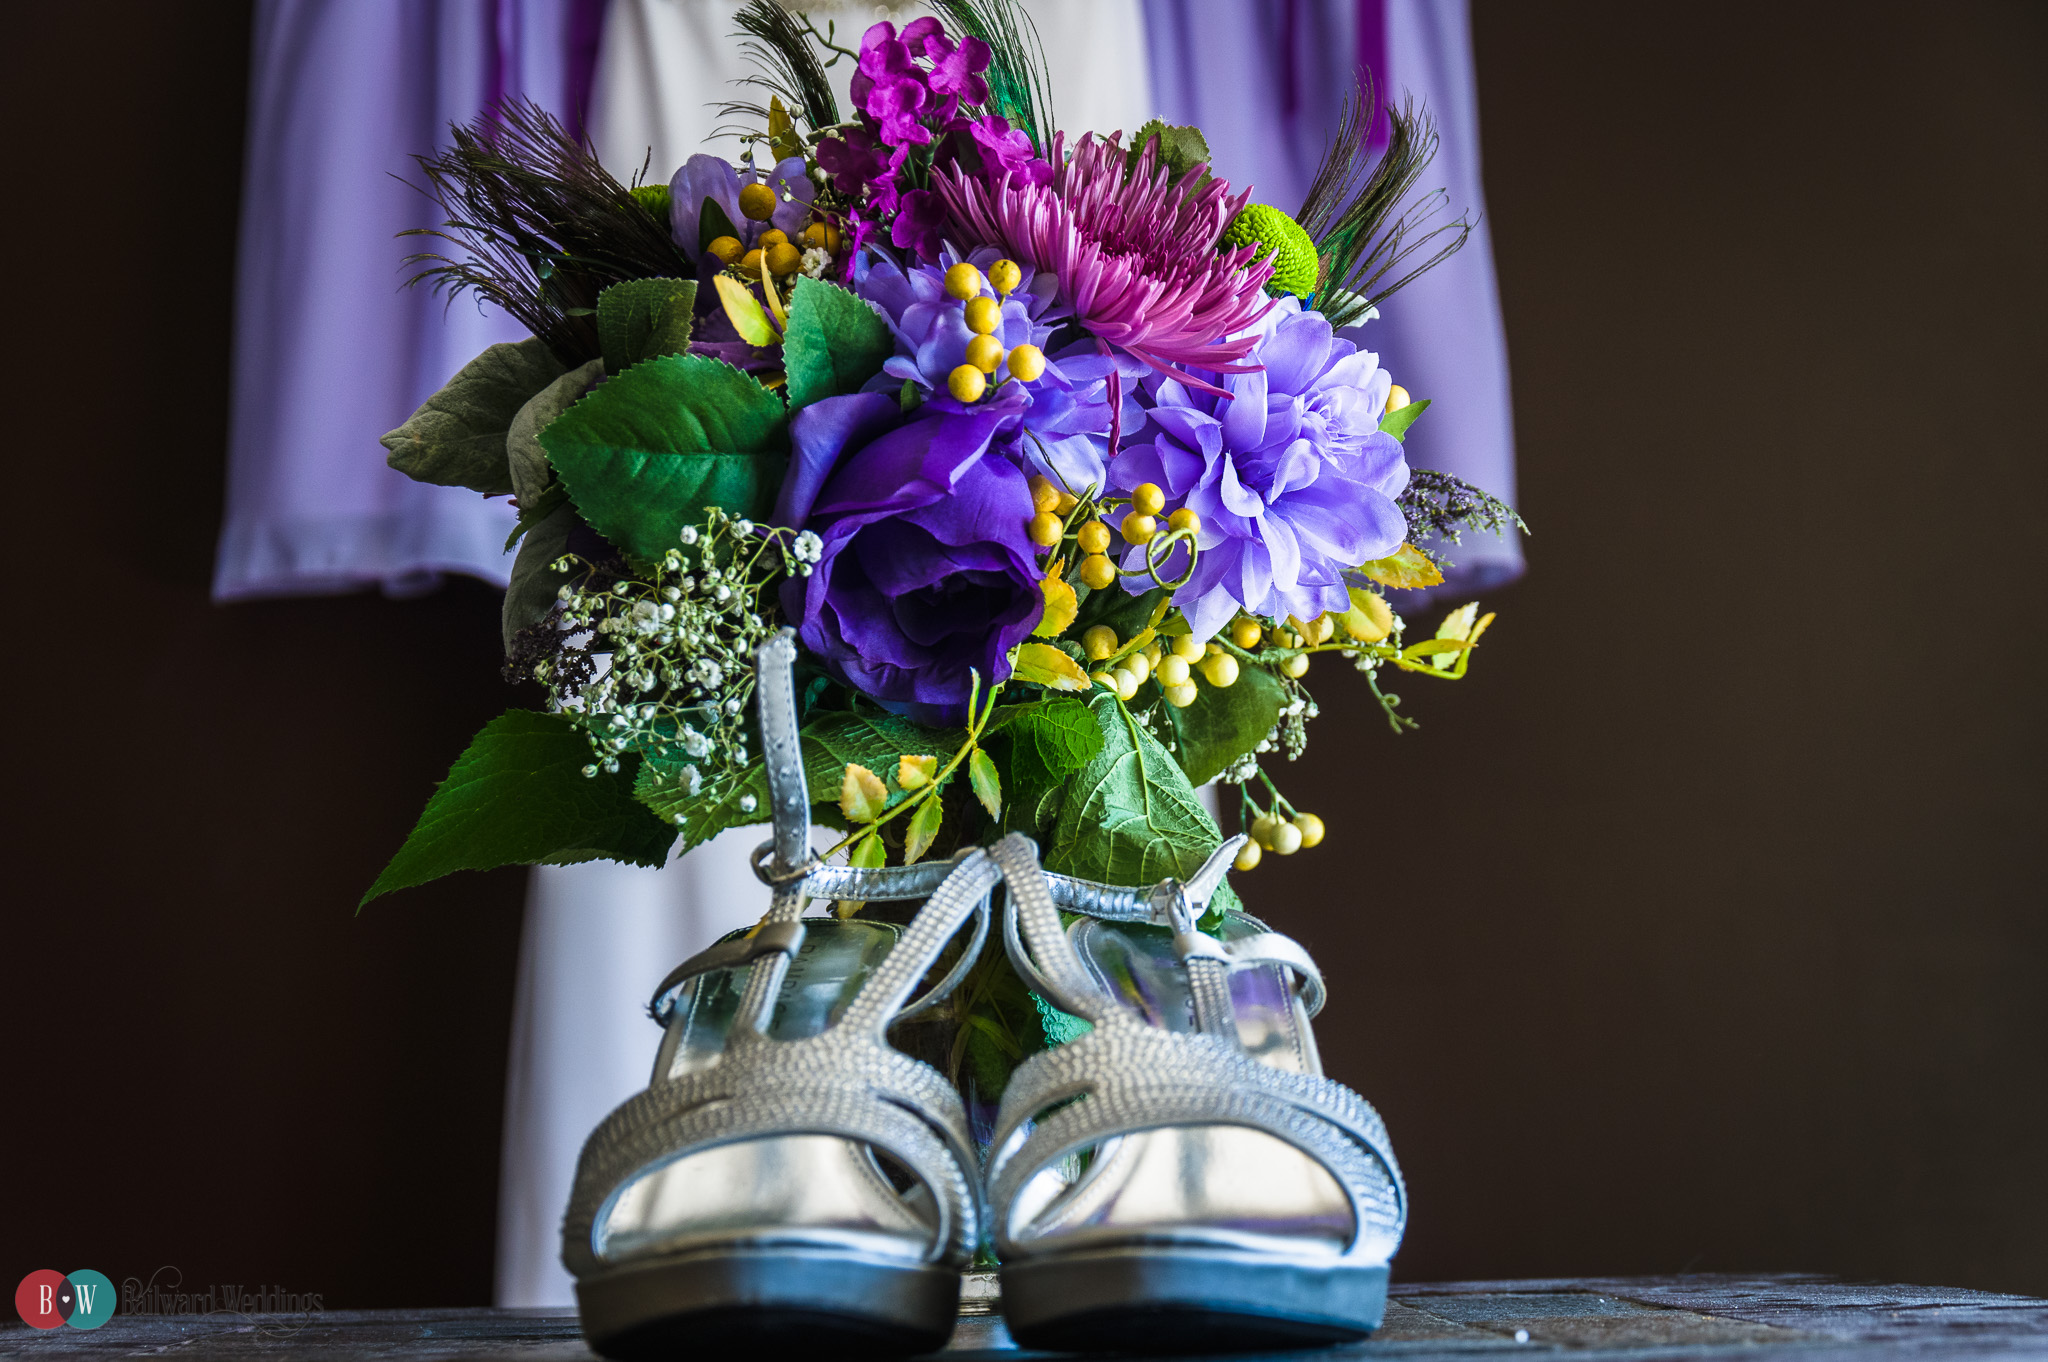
(1704, 925)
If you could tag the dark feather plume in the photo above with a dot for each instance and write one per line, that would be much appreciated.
(784, 52)
(1366, 256)
(545, 226)
(1017, 87)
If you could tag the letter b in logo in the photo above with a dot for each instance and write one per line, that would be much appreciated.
(46, 1299)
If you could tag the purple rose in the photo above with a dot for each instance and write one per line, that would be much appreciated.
(926, 570)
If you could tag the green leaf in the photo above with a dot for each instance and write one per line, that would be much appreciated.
(647, 452)
(1181, 148)
(832, 741)
(836, 342)
(1042, 664)
(1041, 745)
(924, 826)
(1223, 726)
(457, 437)
(518, 796)
(1130, 817)
(868, 853)
(1405, 567)
(745, 313)
(1058, 736)
(643, 319)
(552, 498)
(531, 593)
(1396, 423)
(531, 474)
(783, 138)
(1117, 608)
(987, 785)
(712, 223)
(862, 796)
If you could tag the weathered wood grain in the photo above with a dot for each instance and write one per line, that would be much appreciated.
(1597, 1319)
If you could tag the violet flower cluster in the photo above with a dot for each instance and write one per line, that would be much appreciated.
(1287, 467)
(910, 91)
(1164, 362)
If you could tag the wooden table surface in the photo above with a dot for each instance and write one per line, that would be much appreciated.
(1813, 1318)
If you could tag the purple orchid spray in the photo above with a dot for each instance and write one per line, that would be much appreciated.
(911, 90)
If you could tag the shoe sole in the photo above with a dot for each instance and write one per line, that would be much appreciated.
(786, 1299)
(1174, 1301)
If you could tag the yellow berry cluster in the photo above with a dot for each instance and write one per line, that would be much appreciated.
(1281, 836)
(776, 253)
(985, 353)
(1052, 506)
(1173, 662)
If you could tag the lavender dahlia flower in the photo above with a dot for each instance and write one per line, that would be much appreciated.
(1136, 259)
(1291, 475)
(925, 570)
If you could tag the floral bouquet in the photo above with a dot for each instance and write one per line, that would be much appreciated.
(1062, 460)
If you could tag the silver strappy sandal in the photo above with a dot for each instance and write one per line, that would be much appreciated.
(1181, 1178)
(789, 1178)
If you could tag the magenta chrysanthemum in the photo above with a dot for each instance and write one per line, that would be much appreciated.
(1136, 258)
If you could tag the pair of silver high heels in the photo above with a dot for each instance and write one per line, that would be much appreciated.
(1180, 1177)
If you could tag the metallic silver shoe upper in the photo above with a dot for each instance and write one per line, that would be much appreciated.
(1202, 1122)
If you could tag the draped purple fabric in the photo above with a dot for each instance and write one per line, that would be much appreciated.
(1260, 78)
(330, 351)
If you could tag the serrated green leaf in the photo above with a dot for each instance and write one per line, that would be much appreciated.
(1396, 423)
(1432, 646)
(1060, 736)
(644, 319)
(862, 796)
(1130, 817)
(868, 853)
(924, 826)
(646, 453)
(1225, 724)
(1040, 745)
(1180, 148)
(836, 342)
(518, 796)
(457, 437)
(987, 785)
